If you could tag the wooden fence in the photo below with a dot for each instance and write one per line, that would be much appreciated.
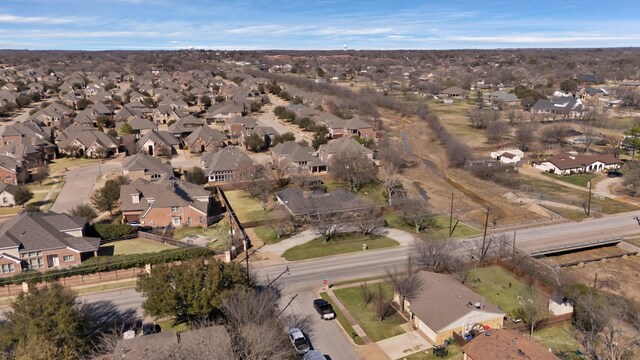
(165, 240)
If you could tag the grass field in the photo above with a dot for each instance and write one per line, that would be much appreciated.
(573, 215)
(373, 192)
(167, 325)
(247, 208)
(67, 162)
(343, 321)
(104, 287)
(559, 340)
(218, 232)
(556, 192)
(341, 244)
(498, 286)
(132, 246)
(454, 354)
(376, 330)
(439, 231)
(577, 179)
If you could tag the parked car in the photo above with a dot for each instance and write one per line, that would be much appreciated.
(614, 173)
(314, 355)
(324, 309)
(299, 341)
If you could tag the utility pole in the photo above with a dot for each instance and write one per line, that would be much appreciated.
(513, 250)
(277, 277)
(451, 217)
(589, 201)
(484, 236)
(289, 303)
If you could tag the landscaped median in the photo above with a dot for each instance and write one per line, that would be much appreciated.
(340, 244)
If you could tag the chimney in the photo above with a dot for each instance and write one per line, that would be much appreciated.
(135, 198)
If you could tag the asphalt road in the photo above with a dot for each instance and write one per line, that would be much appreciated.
(79, 184)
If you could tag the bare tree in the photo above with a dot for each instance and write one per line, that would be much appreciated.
(258, 184)
(555, 134)
(405, 281)
(434, 255)
(481, 118)
(588, 136)
(525, 134)
(392, 160)
(495, 131)
(416, 212)
(368, 220)
(381, 303)
(353, 167)
(460, 269)
(325, 224)
(533, 309)
(365, 293)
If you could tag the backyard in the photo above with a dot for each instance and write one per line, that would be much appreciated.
(377, 330)
(340, 244)
(132, 246)
(246, 207)
(218, 234)
(559, 340)
(498, 287)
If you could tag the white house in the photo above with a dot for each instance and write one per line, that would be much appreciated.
(509, 156)
(572, 163)
(7, 194)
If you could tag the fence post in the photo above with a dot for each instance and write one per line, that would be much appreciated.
(25, 287)
(147, 268)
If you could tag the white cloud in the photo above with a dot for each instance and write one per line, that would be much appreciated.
(15, 19)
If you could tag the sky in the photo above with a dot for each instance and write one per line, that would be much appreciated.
(316, 24)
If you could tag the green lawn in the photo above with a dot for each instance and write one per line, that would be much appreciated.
(373, 192)
(343, 321)
(168, 325)
(67, 162)
(266, 234)
(577, 179)
(341, 244)
(454, 354)
(559, 340)
(493, 283)
(247, 208)
(376, 330)
(439, 231)
(132, 246)
(555, 192)
(110, 286)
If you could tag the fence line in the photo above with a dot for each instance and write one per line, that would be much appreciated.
(165, 240)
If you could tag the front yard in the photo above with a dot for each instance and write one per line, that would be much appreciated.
(454, 354)
(67, 162)
(440, 230)
(498, 286)
(377, 330)
(340, 244)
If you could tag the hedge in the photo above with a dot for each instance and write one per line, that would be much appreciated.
(109, 263)
(112, 231)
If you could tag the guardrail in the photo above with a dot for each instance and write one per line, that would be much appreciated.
(585, 244)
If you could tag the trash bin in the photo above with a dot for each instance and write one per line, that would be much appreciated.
(364, 247)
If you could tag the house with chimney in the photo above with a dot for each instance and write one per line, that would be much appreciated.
(168, 202)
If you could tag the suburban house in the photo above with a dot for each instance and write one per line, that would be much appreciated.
(505, 344)
(588, 93)
(266, 133)
(7, 194)
(573, 163)
(302, 202)
(326, 151)
(224, 111)
(30, 150)
(140, 125)
(158, 143)
(12, 171)
(205, 139)
(165, 113)
(19, 130)
(141, 166)
(237, 125)
(296, 158)
(302, 111)
(588, 79)
(565, 106)
(501, 98)
(360, 128)
(228, 164)
(185, 126)
(508, 156)
(80, 140)
(42, 241)
(164, 345)
(453, 92)
(445, 306)
(166, 203)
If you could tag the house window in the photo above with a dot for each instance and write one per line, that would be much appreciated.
(8, 268)
(176, 221)
(5, 200)
(37, 263)
(67, 258)
(175, 208)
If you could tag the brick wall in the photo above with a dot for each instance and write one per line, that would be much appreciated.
(8, 177)
(164, 217)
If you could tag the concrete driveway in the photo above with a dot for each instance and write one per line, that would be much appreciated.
(80, 183)
(404, 345)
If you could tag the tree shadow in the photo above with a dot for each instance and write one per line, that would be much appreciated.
(103, 317)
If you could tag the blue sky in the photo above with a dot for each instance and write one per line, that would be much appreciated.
(316, 24)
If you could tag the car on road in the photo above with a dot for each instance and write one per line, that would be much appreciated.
(314, 355)
(299, 341)
(324, 309)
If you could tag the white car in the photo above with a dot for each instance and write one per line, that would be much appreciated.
(299, 341)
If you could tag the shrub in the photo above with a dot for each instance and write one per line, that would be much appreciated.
(112, 231)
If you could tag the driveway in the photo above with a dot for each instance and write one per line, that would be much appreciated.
(404, 345)
(80, 182)
(185, 161)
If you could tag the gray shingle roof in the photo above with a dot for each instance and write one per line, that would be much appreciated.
(166, 193)
(159, 137)
(207, 134)
(336, 201)
(226, 159)
(151, 164)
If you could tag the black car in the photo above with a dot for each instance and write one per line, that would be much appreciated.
(324, 309)
(614, 173)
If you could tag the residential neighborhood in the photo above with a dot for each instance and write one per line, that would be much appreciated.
(223, 202)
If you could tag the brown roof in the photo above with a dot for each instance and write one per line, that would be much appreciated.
(504, 344)
(445, 300)
(570, 161)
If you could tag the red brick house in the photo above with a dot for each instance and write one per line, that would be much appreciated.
(166, 203)
(38, 241)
